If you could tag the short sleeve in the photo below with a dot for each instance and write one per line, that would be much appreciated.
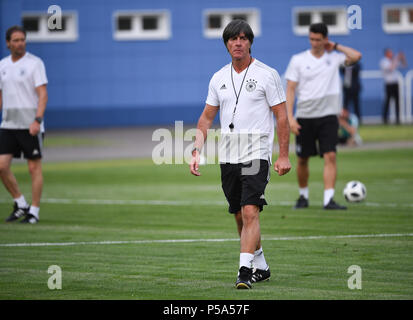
(274, 90)
(39, 74)
(212, 98)
(292, 72)
(341, 57)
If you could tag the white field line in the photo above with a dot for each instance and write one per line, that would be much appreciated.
(186, 202)
(48, 244)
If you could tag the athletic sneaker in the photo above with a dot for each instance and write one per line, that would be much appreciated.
(17, 213)
(260, 275)
(244, 278)
(332, 205)
(301, 203)
(29, 218)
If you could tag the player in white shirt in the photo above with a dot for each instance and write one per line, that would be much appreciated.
(23, 99)
(389, 65)
(313, 76)
(248, 94)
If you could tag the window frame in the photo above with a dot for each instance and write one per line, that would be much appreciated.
(71, 33)
(137, 33)
(316, 12)
(253, 18)
(404, 26)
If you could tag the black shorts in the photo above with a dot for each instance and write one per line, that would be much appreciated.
(18, 141)
(317, 136)
(243, 188)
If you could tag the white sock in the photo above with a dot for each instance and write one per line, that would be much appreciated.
(21, 202)
(303, 192)
(328, 195)
(259, 260)
(34, 211)
(245, 259)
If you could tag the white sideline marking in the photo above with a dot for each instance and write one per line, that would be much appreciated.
(48, 244)
(186, 202)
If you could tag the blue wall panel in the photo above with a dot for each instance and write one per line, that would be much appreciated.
(97, 81)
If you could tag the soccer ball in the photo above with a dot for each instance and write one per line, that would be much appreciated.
(355, 191)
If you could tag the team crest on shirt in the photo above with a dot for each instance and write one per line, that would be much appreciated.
(22, 72)
(251, 85)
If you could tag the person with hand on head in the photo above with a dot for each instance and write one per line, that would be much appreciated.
(313, 76)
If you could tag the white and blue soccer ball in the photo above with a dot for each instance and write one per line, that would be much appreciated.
(355, 191)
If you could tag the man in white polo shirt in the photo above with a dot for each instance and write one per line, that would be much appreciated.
(389, 65)
(23, 98)
(248, 94)
(313, 76)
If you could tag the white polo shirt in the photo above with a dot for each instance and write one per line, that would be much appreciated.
(253, 133)
(18, 82)
(319, 85)
(389, 74)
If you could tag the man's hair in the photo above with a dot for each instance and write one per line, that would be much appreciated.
(236, 27)
(319, 27)
(13, 29)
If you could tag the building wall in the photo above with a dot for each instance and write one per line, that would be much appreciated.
(97, 81)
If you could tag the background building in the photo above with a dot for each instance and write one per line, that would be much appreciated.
(137, 62)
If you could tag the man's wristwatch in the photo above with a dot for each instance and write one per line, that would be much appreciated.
(39, 120)
(335, 46)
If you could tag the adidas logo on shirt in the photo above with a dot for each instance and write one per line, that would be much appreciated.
(223, 87)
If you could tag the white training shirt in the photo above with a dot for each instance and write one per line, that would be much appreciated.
(319, 85)
(253, 133)
(18, 81)
(389, 75)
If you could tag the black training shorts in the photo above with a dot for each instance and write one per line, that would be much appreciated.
(244, 183)
(18, 141)
(317, 136)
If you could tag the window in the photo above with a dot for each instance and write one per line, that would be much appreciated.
(124, 23)
(397, 18)
(37, 27)
(304, 19)
(334, 17)
(215, 20)
(31, 24)
(142, 25)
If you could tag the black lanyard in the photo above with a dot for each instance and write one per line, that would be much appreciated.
(231, 125)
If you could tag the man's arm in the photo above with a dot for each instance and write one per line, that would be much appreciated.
(352, 55)
(294, 126)
(41, 107)
(204, 123)
(282, 165)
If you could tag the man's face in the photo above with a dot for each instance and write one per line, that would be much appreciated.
(239, 46)
(317, 41)
(389, 54)
(17, 43)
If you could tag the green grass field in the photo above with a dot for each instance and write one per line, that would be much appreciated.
(109, 226)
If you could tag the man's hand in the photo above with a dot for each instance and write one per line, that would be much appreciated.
(295, 126)
(194, 165)
(329, 46)
(34, 128)
(282, 166)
